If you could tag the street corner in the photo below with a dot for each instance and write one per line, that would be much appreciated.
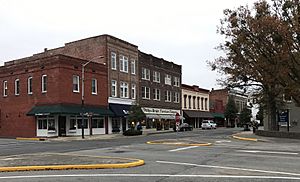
(57, 161)
(31, 139)
(178, 143)
(246, 136)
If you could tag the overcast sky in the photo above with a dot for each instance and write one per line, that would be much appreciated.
(181, 31)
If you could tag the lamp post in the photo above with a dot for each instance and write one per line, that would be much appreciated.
(82, 92)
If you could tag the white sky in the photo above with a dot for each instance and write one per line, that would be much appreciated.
(181, 31)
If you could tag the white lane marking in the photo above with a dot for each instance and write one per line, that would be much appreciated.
(151, 175)
(230, 168)
(267, 152)
(223, 141)
(183, 148)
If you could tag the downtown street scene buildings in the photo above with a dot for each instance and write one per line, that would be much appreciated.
(88, 86)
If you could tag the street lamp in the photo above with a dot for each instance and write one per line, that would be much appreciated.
(82, 91)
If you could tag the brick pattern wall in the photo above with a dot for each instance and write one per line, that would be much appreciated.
(59, 71)
(163, 67)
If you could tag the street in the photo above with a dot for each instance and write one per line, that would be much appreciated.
(227, 159)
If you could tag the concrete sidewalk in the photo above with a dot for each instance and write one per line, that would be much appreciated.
(146, 132)
(57, 161)
(250, 136)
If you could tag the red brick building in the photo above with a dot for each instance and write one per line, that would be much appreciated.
(41, 96)
(121, 58)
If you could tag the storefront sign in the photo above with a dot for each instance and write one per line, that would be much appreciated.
(149, 110)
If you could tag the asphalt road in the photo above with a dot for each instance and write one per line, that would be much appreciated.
(226, 160)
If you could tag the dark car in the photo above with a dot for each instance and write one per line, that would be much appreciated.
(184, 127)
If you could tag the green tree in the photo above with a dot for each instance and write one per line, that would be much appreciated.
(135, 115)
(245, 116)
(230, 111)
(261, 50)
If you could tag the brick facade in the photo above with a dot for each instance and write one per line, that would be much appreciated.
(163, 67)
(59, 70)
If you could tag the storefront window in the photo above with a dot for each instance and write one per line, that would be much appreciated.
(46, 122)
(73, 123)
(51, 124)
(97, 122)
(85, 122)
(42, 123)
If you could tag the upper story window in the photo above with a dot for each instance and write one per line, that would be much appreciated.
(123, 63)
(205, 104)
(168, 80)
(132, 66)
(124, 90)
(44, 83)
(145, 74)
(75, 83)
(113, 58)
(114, 88)
(133, 91)
(156, 94)
(29, 85)
(176, 81)
(156, 76)
(176, 97)
(194, 102)
(145, 92)
(94, 86)
(167, 96)
(5, 88)
(17, 87)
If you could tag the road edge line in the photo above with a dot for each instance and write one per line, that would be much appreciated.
(246, 139)
(139, 162)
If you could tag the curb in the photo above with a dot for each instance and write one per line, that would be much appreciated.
(178, 143)
(246, 139)
(34, 139)
(72, 167)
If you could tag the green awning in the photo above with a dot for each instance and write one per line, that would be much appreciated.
(218, 115)
(69, 109)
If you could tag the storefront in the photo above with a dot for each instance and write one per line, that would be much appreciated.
(161, 119)
(66, 120)
(195, 118)
(119, 119)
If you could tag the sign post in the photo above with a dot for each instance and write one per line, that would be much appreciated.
(177, 119)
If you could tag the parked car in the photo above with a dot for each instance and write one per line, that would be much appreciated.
(208, 124)
(184, 127)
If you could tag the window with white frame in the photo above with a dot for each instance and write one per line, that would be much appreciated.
(167, 96)
(76, 83)
(46, 123)
(94, 86)
(73, 123)
(113, 58)
(176, 81)
(156, 94)
(168, 80)
(145, 74)
(156, 76)
(44, 83)
(124, 90)
(114, 88)
(123, 63)
(29, 85)
(145, 93)
(133, 91)
(132, 66)
(176, 97)
(17, 87)
(97, 122)
(5, 88)
(79, 122)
